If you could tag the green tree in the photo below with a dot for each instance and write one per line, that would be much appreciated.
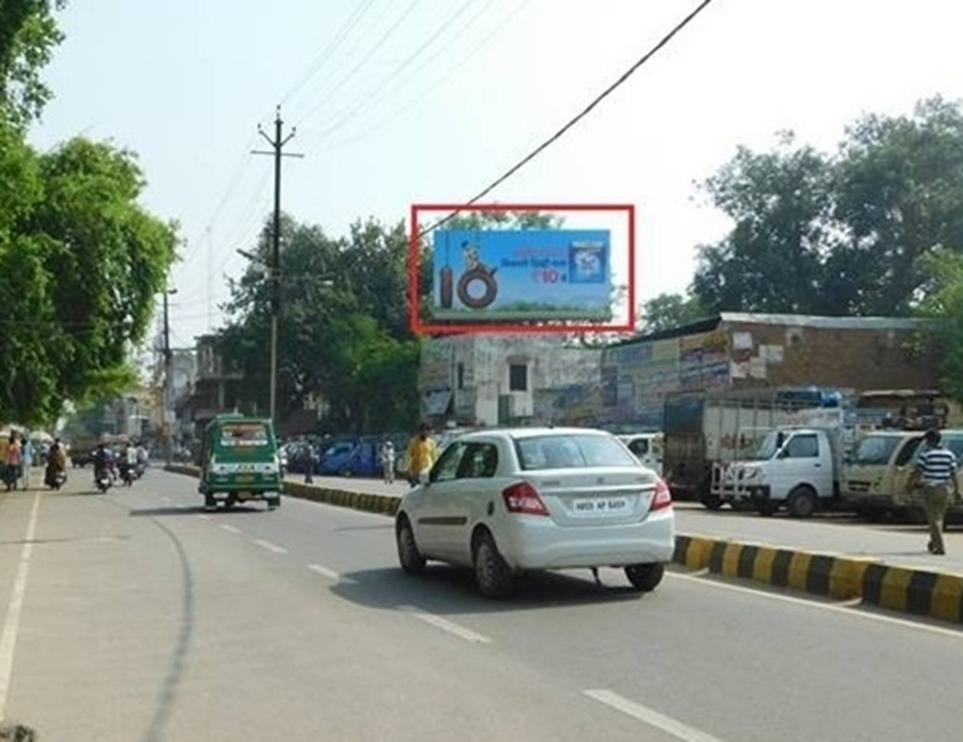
(28, 36)
(837, 234)
(770, 261)
(898, 191)
(941, 307)
(344, 327)
(80, 265)
(667, 311)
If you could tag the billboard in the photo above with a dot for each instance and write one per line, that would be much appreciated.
(540, 274)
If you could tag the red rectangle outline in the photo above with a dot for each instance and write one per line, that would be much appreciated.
(418, 327)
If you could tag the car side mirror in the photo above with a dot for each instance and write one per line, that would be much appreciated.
(424, 477)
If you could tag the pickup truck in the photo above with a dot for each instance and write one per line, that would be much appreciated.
(795, 468)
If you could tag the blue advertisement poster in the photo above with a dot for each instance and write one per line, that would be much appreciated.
(522, 274)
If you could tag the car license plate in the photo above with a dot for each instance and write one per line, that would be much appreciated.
(245, 478)
(599, 506)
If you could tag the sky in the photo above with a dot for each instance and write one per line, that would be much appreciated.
(398, 102)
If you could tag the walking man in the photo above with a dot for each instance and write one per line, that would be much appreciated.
(936, 470)
(388, 461)
(26, 460)
(311, 461)
(421, 454)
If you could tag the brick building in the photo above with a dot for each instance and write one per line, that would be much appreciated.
(733, 351)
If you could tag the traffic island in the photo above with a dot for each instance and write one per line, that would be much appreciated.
(916, 591)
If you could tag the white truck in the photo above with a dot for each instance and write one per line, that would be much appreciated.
(797, 468)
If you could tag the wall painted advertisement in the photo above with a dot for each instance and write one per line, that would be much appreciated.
(522, 274)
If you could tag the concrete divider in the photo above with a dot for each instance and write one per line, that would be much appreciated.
(915, 591)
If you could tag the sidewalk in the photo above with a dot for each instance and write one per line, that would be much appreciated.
(834, 556)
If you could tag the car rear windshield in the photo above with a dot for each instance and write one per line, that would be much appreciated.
(244, 434)
(572, 452)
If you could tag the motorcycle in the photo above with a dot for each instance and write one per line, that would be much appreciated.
(55, 478)
(127, 474)
(104, 480)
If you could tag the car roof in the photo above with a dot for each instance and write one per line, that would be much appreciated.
(522, 433)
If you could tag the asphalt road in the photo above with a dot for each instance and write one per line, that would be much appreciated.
(136, 616)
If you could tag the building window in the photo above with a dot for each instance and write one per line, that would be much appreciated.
(518, 377)
(460, 373)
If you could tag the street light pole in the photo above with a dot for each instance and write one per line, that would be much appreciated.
(168, 422)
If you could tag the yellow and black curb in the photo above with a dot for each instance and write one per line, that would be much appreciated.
(914, 591)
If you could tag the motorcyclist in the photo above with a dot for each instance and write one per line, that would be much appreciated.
(56, 463)
(103, 461)
(128, 464)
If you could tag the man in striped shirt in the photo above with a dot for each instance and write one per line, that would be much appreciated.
(936, 468)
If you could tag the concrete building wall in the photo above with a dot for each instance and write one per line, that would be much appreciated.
(470, 378)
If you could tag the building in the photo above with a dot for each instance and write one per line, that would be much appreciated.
(480, 379)
(214, 389)
(735, 351)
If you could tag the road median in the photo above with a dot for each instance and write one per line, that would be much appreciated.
(920, 592)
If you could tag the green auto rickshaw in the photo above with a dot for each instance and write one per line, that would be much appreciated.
(240, 462)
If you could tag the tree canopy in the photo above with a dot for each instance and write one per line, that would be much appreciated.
(80, 259)
(837, 233)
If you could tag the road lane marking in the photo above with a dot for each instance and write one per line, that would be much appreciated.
(330, 574)
(651, 717)
(230, 529)
(845, 607)
(445, 625)
(11, 624)
(271, 547)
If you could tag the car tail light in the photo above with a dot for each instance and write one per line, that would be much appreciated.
(662, 497)
(523, 498)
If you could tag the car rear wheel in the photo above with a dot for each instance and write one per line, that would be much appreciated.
(492, 573)
(411, 559)
(645, 577)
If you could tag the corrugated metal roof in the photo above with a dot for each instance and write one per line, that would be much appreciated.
(831, 323)
(708, 324)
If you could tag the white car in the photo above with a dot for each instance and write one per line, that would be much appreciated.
(510, 500)
(647, 448)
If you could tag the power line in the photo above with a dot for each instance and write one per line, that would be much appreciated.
(572, 122)
(354, 70)
(332, 47)
(370, 98)
(412, 102)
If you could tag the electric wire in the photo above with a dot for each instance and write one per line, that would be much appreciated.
(371, 97)
(573, 121)
(319, 62)
(364, 60)
(412, 102)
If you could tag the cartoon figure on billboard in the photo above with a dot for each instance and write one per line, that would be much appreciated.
(476, 272)
(587, 262)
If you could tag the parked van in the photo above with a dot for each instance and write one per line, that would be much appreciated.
(239, 462)
(647, 448)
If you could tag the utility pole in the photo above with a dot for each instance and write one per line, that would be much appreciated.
(168, 385)
(277, 145)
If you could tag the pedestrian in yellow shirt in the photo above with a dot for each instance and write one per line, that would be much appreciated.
(422, 452)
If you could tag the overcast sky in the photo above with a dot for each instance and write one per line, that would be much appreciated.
(402, 101)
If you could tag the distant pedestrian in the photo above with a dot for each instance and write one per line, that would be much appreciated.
(387, 456)
(421, 454)
(311, 461)
(27, 460)
(14, 462)
(936, 474)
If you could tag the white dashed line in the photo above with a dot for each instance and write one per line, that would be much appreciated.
(330, 574)
(11, 625)
(653, 718)
(848, 607)
(271, 547)
(445, 625)
(230, 529)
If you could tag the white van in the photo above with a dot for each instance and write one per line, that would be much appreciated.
(647, 448)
